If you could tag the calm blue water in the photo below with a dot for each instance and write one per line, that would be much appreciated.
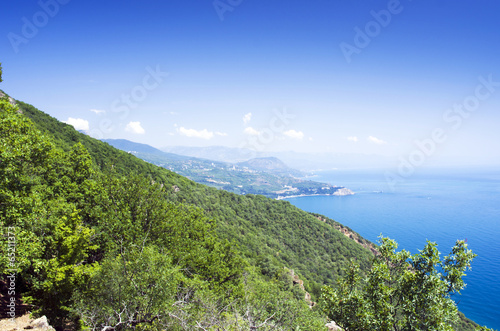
(440, 206)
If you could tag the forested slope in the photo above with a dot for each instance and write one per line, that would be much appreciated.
(107, 241)
(262, 227)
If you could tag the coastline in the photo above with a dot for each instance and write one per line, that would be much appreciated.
(339, 193)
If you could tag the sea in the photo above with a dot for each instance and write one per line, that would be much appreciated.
(440, 205)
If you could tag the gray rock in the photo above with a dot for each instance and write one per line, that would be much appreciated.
(40, 324)
(332, 326)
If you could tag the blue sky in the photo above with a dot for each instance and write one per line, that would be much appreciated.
(406, 79)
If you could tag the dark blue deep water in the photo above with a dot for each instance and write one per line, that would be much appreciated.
(440, 206)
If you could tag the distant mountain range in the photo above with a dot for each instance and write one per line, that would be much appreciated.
(302, 161)
(268, 176)
(271, 165)
(217, 153)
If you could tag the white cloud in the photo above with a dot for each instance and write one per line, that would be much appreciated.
(299, 135)
(377, 141)
(192, 133)
(353, 138)
(222, 134)
(135, 127)
(251, 131)
(78, 123)
(247, 118)
(98, 111)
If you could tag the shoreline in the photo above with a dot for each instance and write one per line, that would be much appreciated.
(316, 195)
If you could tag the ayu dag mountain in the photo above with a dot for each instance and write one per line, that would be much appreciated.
(111, 242)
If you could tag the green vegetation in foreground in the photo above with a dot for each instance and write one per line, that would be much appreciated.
(400, 291)
(93, 224)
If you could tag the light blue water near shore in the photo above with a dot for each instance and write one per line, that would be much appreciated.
(439, 205)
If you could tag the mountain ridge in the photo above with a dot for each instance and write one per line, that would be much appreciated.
(269, 176)
(301, 161)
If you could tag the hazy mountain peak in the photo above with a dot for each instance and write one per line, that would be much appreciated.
(264, 163)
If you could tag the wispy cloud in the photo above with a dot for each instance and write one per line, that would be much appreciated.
(222, 134)
(299, 135)
(247, 118)
(135, 127)
(78, 123)
(377, 141)
(98, 111)
(251, 131)
(353, 138)
(192, 133)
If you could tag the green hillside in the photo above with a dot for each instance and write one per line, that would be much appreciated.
(104, 239)
(260, 226)
(121, 208)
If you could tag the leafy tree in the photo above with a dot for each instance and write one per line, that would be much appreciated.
(264, 305)
(401, 291)
(1, 72)
(139, 214)
(272, 306)
(133, 290)
(37, 200)
(62, 269)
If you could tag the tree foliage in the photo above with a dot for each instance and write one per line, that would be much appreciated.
(132, 289)
(38, 189)
(401, 291)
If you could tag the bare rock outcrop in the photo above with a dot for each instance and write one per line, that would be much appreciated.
(11, 100)
(25, 322)
(332, 326)
(352, 235)
(297, 281)
(343, 192)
